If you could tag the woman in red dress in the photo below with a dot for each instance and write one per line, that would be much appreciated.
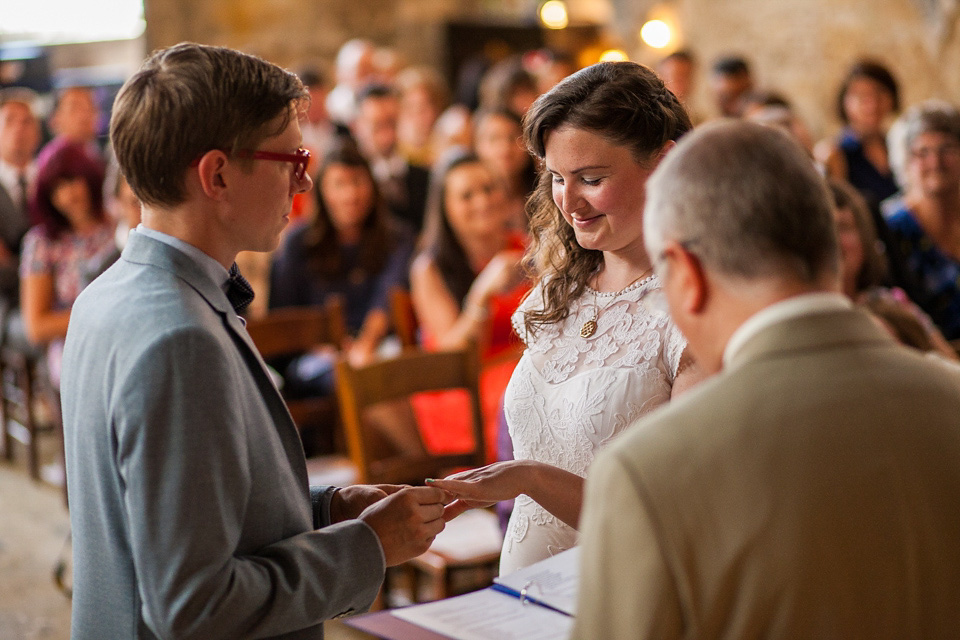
(465, 284)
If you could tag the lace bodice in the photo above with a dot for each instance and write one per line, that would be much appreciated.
(569, 395)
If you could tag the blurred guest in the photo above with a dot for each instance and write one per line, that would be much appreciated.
(678, 71)
(123, 211)
(71, 229)
(387, 64)
(902, 325)
(75, 118)
(773, 109)
(551, 66)
(19, 139)
(354, 69)
(507, 85)
(122, 204)
(453, 129)
(403, 185)
(926, 225)
(423, 97)
(469, 256)
(315, 124)
(353, 249)
(868, 97)
(730, 82)
(465, 284)
(471, 71)
(863, 265)
(498, 141)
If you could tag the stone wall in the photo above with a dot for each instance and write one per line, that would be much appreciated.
(291, 32)
(803, 47)
(800, 47)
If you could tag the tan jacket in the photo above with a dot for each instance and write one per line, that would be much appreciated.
(811, 490)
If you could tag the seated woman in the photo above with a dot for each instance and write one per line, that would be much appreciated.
(70, 232)
(353, 249)
(423, 97)
(868, 96)
(863, 268)
(926, 225)
(465, 284)
(498, 141)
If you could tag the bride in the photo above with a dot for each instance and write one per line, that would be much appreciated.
(601, 350)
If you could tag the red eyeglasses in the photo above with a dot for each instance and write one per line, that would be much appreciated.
(299, 159)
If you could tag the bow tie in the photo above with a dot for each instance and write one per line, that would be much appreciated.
(239, 291)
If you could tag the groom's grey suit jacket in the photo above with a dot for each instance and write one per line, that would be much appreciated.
(190, 507)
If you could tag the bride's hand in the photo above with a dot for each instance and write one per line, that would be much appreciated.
(487, 485)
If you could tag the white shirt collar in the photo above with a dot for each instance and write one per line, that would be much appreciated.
(10, 176)
(805, 304)
(386, 168)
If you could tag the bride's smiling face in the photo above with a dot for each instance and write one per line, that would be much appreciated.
(599, 188)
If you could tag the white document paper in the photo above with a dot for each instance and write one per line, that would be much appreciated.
(488, 615)
(552, 582)
(534, 603)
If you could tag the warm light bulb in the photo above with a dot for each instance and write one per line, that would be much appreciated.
(553, 14)
(656, 33)
(614, 55)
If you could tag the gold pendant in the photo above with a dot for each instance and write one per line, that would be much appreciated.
(588, 329)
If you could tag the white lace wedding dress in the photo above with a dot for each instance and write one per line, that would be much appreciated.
(569, 396)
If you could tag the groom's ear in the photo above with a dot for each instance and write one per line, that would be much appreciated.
(211, 169)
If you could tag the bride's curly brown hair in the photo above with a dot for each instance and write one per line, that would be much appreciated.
(628, 105)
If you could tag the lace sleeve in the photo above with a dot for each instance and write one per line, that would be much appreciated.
(673, 350)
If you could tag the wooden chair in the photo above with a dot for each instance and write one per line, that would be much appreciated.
(20, 391)
(459, 549)
(394, 381)
(403, 318)
(18, 371)
(406, 327)
(292, 331)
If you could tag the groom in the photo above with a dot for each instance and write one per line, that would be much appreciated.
(188, 491)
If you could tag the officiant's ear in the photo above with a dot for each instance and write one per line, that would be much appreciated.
(210, 171)
(686, 279)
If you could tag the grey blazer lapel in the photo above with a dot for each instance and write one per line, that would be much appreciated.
(148, 251)
(143, 250)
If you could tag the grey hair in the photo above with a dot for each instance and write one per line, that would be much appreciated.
(930, 116)
(747, 201)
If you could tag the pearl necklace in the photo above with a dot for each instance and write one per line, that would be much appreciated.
(590, 326)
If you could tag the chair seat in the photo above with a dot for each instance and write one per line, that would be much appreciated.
(471, 538)
(332, 470)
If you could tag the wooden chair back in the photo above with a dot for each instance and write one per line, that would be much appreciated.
(296, 330)
(396, 380)
(403, 318)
